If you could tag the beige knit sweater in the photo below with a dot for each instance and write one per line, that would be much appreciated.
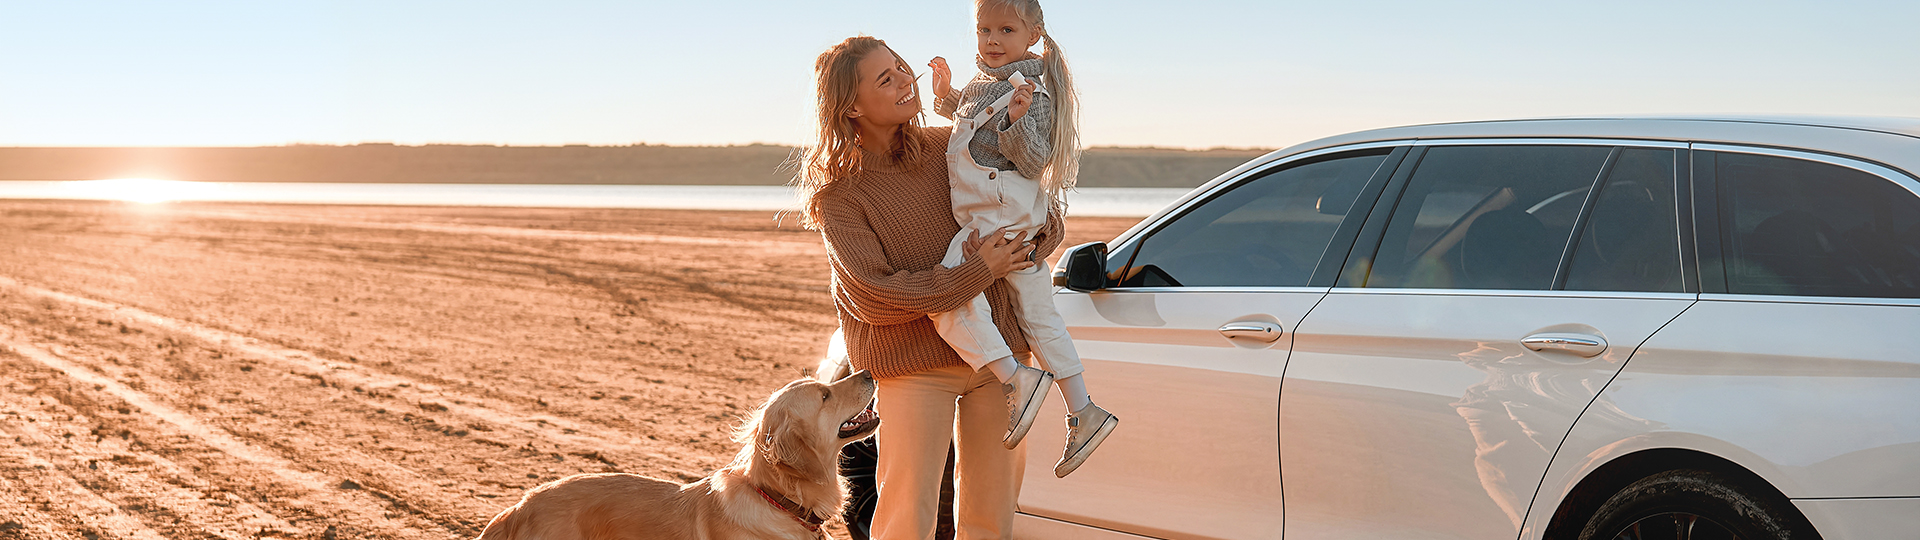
(886, 229)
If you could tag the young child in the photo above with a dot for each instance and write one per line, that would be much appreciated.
(1014, 150)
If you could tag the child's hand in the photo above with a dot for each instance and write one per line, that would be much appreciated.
(942, 77)
(1022, 100)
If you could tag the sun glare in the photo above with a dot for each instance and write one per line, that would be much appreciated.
(140, 190)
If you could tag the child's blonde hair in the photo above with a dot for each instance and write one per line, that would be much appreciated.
(1063, 167)
(835, 153)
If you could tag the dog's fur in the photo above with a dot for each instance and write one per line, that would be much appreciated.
(792, 448)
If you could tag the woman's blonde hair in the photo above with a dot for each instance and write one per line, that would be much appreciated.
(1063, 167)
(835, 154)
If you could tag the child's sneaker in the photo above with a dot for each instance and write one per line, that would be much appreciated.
(1024, 394)
(1086, 429)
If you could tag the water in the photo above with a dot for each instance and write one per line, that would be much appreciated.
(1117, 202)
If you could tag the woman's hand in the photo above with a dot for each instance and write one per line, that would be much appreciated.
(942, 77)
(1002, 255)
(1022, 99)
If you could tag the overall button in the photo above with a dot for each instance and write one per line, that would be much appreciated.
(993, 175)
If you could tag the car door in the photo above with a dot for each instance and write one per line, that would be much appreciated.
(1187, 345)
(1801, 350)
(1428, 391)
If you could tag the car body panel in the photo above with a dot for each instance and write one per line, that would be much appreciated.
(1419, 413)
(1863, 519)
(1158, 359)
(1824, 418)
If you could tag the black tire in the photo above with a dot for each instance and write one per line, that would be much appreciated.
(1696, 505)
(858, 462)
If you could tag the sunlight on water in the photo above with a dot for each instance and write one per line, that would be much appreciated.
(141, 190)
(1121, 202)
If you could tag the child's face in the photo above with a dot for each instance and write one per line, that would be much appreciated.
(1004, 38)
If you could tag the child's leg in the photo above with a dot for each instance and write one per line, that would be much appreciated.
(970, 329)
(1033, 293)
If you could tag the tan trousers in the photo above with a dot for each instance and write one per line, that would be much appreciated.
(919, 415)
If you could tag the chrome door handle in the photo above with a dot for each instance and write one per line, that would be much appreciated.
(1580, 344)
(1264, 332)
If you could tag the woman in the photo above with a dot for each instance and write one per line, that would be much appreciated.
(876, 188)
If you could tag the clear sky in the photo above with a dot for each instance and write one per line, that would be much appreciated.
(1179, 74)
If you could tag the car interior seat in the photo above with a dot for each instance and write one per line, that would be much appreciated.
(1507, 249)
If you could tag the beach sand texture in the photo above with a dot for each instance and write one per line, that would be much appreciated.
(293, 371)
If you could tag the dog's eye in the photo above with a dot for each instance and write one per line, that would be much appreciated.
(825, 395)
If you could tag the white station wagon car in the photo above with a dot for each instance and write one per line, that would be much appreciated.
(1608, 328)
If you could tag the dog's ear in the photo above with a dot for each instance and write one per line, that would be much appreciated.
(786, 441)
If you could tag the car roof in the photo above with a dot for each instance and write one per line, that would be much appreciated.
(1889, 141)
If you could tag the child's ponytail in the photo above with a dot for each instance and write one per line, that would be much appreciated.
(1063, 167)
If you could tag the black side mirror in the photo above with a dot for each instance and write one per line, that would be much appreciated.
(1084, 267)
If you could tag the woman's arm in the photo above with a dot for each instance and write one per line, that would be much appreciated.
(868, 288)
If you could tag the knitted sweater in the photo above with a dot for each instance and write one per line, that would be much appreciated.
(1025, 145)
(886, 229)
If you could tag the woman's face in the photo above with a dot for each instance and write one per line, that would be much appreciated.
(886, 94)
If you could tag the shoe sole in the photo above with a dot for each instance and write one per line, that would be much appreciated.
(1072, 463)
(1029, 413)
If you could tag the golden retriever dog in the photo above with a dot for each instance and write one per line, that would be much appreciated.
(784, 483)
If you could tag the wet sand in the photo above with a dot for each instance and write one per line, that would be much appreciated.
(292, 371)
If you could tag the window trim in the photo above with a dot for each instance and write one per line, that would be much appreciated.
(1825, 300)
(1551, 141)
(1890, 174)
(1130, 241)
(1629, 295)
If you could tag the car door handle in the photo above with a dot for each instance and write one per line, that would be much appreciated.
(1264, 332)
(1581, 344)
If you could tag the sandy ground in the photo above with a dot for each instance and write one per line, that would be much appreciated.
(263, 371)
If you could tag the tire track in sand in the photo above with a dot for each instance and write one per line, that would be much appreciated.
(42, 487)
(413, 392)
(358, 507)
(145, 484)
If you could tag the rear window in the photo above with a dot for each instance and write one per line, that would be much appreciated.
(1802, 228)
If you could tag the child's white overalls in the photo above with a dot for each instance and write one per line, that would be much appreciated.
(985, 199)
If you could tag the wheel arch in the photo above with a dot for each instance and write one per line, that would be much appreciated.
(1595, 488)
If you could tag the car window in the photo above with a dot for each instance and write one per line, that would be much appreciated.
(1486, 217)
(1630, 242)
(1266, 232)
(1796, 227)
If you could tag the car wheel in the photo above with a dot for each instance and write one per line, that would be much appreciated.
(858, 462)
(1695, 505)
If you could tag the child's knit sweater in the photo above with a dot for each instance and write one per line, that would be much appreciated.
(1025, 145)
(886, 229)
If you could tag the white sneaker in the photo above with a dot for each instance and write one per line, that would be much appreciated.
(1025, 393)
(1086, 429)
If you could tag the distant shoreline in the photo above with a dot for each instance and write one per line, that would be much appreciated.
(747, 165)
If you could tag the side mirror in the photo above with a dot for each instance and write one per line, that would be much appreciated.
(1084, 267)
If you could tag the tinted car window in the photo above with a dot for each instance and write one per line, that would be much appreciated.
(1795, 227)
(1266, 232)
(1486, 217)
(1631, 241)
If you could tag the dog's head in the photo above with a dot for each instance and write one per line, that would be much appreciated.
(800, 430)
